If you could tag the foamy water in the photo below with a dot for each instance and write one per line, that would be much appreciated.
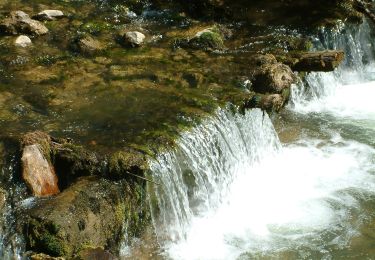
(252, 197)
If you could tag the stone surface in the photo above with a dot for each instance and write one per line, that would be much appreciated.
(273, 78)
(88, 45)
(134, 39)
(49, 15)
(37, 172)
(207, 39)
(20, 22)
(23, 41)
(90, 213)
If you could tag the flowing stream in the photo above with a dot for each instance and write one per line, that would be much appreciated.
(233, 190)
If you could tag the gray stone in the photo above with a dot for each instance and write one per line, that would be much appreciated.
(20, 22)
(23, 41)
(49, 15)
(134, 39)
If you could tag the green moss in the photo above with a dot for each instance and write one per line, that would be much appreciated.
(43, 237)
(122, 163)
(95, 28)
(208, 40)
(47, 60)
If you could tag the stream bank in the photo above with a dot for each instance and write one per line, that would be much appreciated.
(118, 103)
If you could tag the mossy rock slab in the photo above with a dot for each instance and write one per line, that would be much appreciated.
(90, 213)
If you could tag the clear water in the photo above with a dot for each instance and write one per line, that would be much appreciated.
(233, 190)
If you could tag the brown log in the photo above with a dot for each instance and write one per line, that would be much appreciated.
(364, 8)
(317, 61)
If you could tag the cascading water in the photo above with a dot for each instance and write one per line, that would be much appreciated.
(232, 190)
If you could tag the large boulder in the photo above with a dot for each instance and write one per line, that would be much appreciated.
(37, 169)
(20, 22)
(92, 213)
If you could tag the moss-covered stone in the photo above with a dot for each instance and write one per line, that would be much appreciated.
(127, 164)
(208, 39)
(91, 213)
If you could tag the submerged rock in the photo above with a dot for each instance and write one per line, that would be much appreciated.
(20, 22)
(133, 39)
(49, 15)
(87, 45)
(23, 41)
(194, 79)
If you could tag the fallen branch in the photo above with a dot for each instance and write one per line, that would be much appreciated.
(363, 7)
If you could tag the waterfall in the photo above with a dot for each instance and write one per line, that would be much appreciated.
(336, 90)
(196, 177)
(232, 190)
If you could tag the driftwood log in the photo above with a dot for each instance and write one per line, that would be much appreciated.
(317, 61)
(364, 7)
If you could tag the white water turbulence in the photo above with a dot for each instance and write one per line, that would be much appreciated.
(347, 93)
(232, 191)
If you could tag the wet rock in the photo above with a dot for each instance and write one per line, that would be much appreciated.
(263, 60)
(38, 173)
(37, 169)
(87, 45)
(49, 15)
(95, 253)
(208, 39)
(272, 102)
(272, 77)
(20, 22)
(90, 213)
(73, 161)
(133, 39)
(23, 41)
(127, 164)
